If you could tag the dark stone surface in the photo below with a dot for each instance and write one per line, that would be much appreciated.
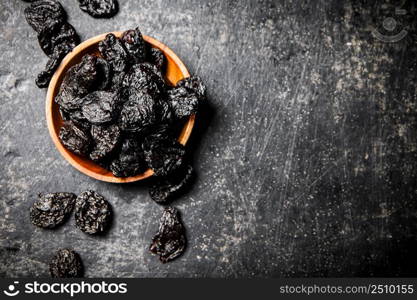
(306, 152)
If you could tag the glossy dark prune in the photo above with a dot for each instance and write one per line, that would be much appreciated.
(77, 83)
(195, 85)
(51, 210)
(106, 139)
(40, 14)
(58, 34)
(157, 58)
(99, 8)
(144, 77)
(75, 139)
(138, 113)
(135, 45)
(99, 107)
(170, 241)
(164, 155)
(92, 212)
(103, 74)
(130, 161)
(182, 102)
(165, 189)
(66, 263)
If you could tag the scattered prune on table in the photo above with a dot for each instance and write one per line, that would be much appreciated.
(170, 241)
(130, 161)
(138, 113)
(135, 45)
(157, 58)
(99, 8)
(182, 102)
(92, 212)
(56, 37)
(165, 189)
(77, 83)
(99, 107)
(66, 263)
(106, 139)
(51, 210)
(164, 155)
(75, 139)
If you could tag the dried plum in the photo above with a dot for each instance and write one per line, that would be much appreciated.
(130, 161)
(157, 58)
(135, 45)
(165, 188)
(99, 8)
(138, 113)
(92, 212)
(99, 107)
(145, 77)
(170, 241)
(41, 13)
(58, 34)
(193, 84)
(51, 210)
(103, 74)
(182, 102)
(106, 139)
(163, 155)
(77, 83)
(66, 263)
(75, 139)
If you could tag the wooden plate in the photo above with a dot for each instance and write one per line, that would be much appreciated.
(175, 71)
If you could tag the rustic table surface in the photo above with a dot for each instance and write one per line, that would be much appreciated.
(306, 150)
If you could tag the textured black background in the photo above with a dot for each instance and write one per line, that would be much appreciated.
(305, 152)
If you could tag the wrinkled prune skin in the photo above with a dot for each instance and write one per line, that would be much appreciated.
(165, 189)
(135, 45)
(164, 112)
(130, 161)
(99, 107)
(144, 77)
(138, 113)
(56, 37)
(77, 83)
(182, 102)
(170, 241)
(40, 14)
(106, 139)
(51, 210)
(103, 74)
(92, 212)
(163, 154)
(113, 51)
(75, 139)
(99, 8)
(157, 58)
(66, 263)
(195, 85)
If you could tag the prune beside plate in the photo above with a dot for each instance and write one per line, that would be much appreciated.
(66, 263)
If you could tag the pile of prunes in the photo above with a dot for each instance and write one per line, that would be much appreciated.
(120, 112)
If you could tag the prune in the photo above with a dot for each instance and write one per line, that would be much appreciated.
(51, 210)
(77, 83)
(106, 139)
(144, 77)
(92, 212)
(193, 84)
(138, 113)
(113, 51)
(164, 112)
(99, 8)
(103, 74)
(130, 160)
(157, 58)
(182, 102)
(135, 45)
(40, 14)
(170, 241)
(99, 107)
(163, 155)
(75, 139)
(165, 188)
(58, 34)
(66, 263)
